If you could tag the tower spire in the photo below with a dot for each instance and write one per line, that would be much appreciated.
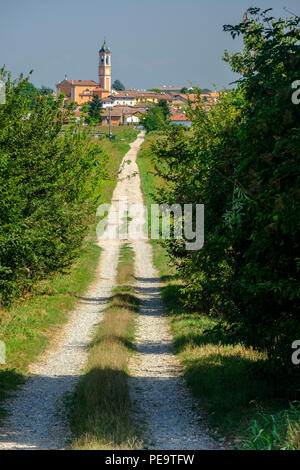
(105, 47)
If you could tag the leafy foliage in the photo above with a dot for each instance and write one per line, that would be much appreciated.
(30, 92)
(117, 85)
(94, 110)
(163, 106)
(44, 90)
(276, 432)
(156, 90)
(157, 118)
(241, 161)
(190, 90)
(46, 180)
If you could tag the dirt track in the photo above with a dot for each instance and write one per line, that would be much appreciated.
(158, 392)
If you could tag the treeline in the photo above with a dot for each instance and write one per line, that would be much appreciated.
(32, 93)
(241, 161)
(47, 181)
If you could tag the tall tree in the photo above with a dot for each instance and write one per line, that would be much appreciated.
(241, 161)
(95, 110)
(46, 90)
(117, 85)
(30, 93)
(163, 105)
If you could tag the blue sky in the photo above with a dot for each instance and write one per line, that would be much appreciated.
(153, 42)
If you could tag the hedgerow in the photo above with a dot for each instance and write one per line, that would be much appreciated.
(47, 181)
(241, 161)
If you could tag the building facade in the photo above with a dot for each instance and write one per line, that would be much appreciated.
(83, 91)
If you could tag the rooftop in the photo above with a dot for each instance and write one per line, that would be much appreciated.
(179, 117)
(78, 83)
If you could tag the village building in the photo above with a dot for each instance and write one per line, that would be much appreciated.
(76, 90)
(83, 91)
(180, 119)
(119, 115)
(123, 99)
(183, 98)
(127, 106)
(137, 97)
(107, 102)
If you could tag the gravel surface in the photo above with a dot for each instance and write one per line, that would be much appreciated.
(158, 392)
(157, 387)
(37, 418)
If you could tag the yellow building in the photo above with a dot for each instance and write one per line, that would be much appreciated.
(82, 91)
(136, 97)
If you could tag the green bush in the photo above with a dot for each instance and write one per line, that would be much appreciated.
(46, 182)
(241, 161)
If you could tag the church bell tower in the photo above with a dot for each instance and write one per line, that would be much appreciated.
(104, 70)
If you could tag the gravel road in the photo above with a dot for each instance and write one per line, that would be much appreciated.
(158, 392)
(37, 419)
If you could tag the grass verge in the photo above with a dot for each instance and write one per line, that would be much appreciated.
(227, 378)
(100, 407)
(29, 324)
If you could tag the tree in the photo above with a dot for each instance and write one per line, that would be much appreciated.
(163, 105)
(46, 90)
(184, 90)
(241, 162)
(30, 93)
(154, 119)
(117, 85)
(157, 116)
(95, 110)
(47, 182)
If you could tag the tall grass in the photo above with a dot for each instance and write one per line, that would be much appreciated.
(279, 431)
(100, 408)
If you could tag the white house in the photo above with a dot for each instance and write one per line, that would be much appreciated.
(131, 119)
(107, 102)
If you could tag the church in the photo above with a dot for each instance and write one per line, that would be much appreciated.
(119, 107)
(83, 91)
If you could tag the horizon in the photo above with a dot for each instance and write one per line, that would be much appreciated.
(183, 49)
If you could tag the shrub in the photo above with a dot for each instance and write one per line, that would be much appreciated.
(46, 182)
(240, 161)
